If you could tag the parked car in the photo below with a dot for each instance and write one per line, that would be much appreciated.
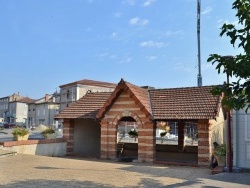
(9, 125)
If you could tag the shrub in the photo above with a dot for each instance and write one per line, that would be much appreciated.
(20, 132)
(48, 131)
(220, 150)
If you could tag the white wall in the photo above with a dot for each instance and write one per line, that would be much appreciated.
(241, 139)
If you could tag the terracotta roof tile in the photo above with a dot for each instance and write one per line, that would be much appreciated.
(86, 107)
(91, 83)
(184, 103)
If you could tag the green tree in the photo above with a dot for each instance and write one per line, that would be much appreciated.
(237, 93)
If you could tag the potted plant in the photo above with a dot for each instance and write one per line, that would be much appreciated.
(220, 153)
(20, 134)
(162, 134)
(49, 133)
(133, 133)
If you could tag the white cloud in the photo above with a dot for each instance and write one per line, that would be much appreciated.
(148, 2)
(170, 33)
(106, 55)
(113, 35)
(126, 60)
(151, 58)
(118, 14)
(152, 44)
(130, 2)
(138, 21)
(88, 29)
(180, 66)
(207, 10)
(89, 1)
(221, 22)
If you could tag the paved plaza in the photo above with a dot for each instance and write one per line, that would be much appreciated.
(40, 171)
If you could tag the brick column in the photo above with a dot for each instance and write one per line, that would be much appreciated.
(108, 140)
(68, 134)
(181, 136)
(204, 143)
(146, 142)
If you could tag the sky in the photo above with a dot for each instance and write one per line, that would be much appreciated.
(48, 43)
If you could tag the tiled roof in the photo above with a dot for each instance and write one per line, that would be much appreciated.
(138, 94)
(85, 107)
(184, 103)
(91, 83)
(25, 100)
(158, 104)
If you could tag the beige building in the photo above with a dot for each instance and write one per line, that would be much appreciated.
(5, 116)
(18, 111)
(43, 111)
(71, 92)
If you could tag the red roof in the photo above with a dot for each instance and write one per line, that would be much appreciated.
(85, 107)
(159, 104)
(138, 94)
(185, 103)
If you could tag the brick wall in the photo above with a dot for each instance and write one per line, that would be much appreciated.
(126, 106)
(68, 134)
(204, 142)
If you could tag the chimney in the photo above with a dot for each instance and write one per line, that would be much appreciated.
(46, 97)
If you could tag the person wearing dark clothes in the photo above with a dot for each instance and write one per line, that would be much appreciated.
(214, 162)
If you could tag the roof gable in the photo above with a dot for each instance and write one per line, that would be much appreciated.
(185, 103)
(138, 94)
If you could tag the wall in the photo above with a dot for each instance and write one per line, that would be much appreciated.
(21, 113)
(217, 128)
(87, 134)
(208, 132)
(241, 139)
(125, 106)
(78, 91)
(54, 147)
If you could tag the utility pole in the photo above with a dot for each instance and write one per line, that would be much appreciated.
(199, 77)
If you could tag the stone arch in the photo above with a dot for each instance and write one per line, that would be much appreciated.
(125, 114)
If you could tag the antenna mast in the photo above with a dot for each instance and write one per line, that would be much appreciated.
(199, 77)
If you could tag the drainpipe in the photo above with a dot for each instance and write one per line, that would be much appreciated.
(229, 153)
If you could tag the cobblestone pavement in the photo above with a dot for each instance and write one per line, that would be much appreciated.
(39, 171)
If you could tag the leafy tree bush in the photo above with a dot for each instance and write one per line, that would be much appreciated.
(237, 93)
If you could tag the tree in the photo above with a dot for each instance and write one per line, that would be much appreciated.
(237, 94)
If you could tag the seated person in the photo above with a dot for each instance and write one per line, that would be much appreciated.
(214, 162)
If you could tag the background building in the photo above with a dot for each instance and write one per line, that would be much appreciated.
(4, 106)
(18, 111)
(73, 91)
(43, 111)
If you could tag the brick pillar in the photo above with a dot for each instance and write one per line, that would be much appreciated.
(68, 134)
(108, 140)
(146, 142)
(181, 136)
(204, 143)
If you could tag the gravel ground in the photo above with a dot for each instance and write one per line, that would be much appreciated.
(39, 171)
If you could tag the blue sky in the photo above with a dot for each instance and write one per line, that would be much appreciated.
(47, 43)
